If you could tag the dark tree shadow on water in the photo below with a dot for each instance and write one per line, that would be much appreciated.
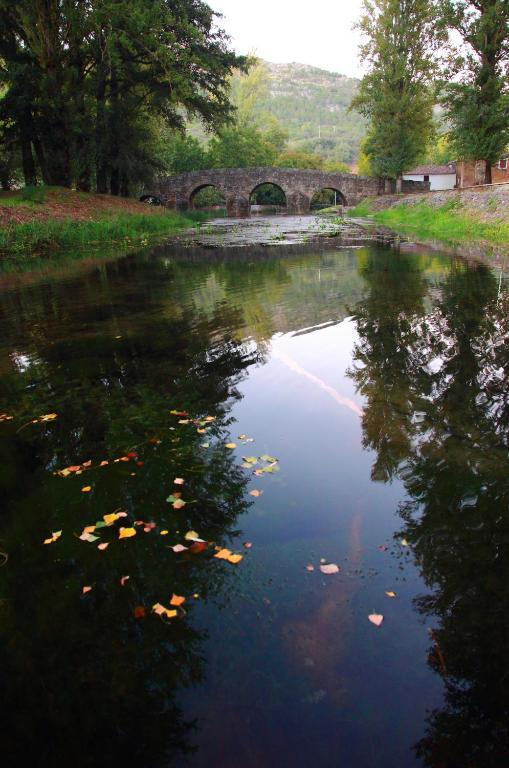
(85, 682)
(437, 407)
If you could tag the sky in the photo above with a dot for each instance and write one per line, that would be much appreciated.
(283, 31)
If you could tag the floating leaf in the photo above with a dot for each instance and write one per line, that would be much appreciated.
(247, 545)
(235, 559)
(255, 493)
(223, 554)
(178, 504)
(231, 446)
(89, 529)
(48, 417)
(54, 536)
(126, 533)
(179, 481)
(376, 618)
(250, 459)
(164, 533)
(177, 600)
(178, 548)
(330, 568)
(205, 445)
(269, 459)
(390, 594)
(191, 536)
(178, 413)
(198, 546)
(88, 537)
(103, 546)
(162, 611)
(201, 431)
(310, 567)
(139, 612)
(85, 590)
(123, 580)
(104, 463)
(382, 547)
(86, 489)
(404, 543)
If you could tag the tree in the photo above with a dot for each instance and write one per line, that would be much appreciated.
(240, 146)
(476, 96)
(295, 158)
(396, 93)
(85, 82)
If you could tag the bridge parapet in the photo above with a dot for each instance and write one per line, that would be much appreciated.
(237, 185)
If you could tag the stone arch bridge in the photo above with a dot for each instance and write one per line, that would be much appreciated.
(238, 184)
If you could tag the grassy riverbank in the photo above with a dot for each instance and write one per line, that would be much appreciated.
(42, 221)
(455, 220)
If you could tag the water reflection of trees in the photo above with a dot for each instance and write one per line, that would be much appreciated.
(435, 383)
(84, 682)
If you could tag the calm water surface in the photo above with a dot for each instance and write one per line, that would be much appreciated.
(378, 379)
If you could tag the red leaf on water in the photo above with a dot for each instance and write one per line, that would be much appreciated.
(139, 612)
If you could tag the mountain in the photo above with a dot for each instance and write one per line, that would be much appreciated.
(312, 104)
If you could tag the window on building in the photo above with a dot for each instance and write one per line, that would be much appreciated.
(426, 177)
(502, 164)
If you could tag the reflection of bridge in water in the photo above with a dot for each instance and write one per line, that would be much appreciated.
(238, 184)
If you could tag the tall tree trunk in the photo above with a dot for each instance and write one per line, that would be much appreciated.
(101, 162)
(112, 127)
(27, 160)
(41, 158)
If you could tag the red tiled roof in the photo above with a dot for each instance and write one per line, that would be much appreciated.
(432, 170)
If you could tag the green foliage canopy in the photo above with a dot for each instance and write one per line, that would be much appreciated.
(395, 95)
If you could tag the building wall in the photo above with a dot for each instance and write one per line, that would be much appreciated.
(436, 181)
(466, 174)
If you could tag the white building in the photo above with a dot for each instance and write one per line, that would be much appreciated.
(439, 176)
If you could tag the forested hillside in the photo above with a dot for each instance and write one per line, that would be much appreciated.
(312, 105)
(308, 104)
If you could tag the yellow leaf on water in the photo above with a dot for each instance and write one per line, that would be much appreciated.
(111, 518)
(255, 493)
(235, 559)
(390, 594)
(191, 536)
(86, 489)
(126, 533)
(89, 529)
(404, 543)
(162, 611)
(223, 554)
(48, 417)
(231, 445)
(54, 536)
(164, 533)
(177, 600)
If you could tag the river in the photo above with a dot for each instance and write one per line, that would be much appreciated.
(332, 411)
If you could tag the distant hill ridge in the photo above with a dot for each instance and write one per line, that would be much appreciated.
(312, 104)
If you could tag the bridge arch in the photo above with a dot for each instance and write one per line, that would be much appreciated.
(268, 193)
(207, 195)
(327, 196)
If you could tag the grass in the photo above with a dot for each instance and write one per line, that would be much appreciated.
(38, 237)
(449, 223)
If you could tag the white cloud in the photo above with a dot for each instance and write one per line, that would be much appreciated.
(286, 31)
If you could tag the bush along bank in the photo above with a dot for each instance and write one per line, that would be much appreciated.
(60, 220)
(451, 217)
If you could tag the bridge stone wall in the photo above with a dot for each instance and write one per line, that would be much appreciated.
(237, 184)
